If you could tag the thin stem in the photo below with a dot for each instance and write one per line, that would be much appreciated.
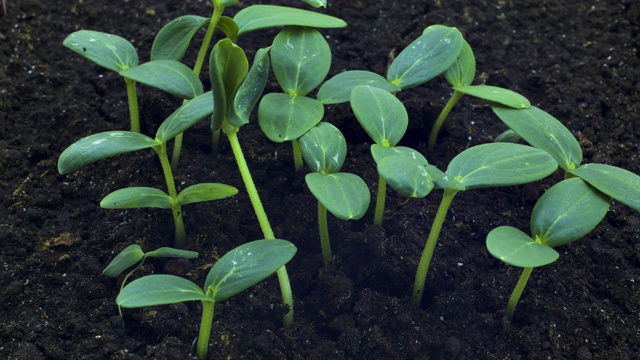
(205, 329)
(380, 200)
(433, 136)
(429, 247)
(181, 235)
(324, 235)
(297, 155)
(283, 277)
(177, 149)
(133, 105)
(517, 292)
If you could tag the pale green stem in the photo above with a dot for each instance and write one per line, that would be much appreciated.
(283, 277)
(380, 200)
(133, 105)
(297, 155)
(517, 292)
(181, 236)
(433, 136)
(177, 149)
(324, 235)
(429, 247)
(205, 329)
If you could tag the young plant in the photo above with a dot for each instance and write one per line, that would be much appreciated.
(106, 144)
(345, 195)
(236, 271)
(481, 166)
(300, 59)
(566, 212)
(385, 119)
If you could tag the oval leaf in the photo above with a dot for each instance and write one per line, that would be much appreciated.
(169, 76)
(256, 17)
(500, 164)
(172, 41)
(426, 57)
(228, 65)
(463, 71)
(516, 248)
(495, 94)
(247, 265)
(167, 252)
(300, 59)
(205, 192)
(124, 260)
(185, 117)
(338, 89)
(228, 27)
(316, 3)
(137, 197)
(247, 95)
(618, 183)
(344, 195)
(99, 146)
(381, 114)
(324, 148)
(155, 290)
(543, 131)
(107, 50)
(567, 211)
(407, 174)
(284, 118)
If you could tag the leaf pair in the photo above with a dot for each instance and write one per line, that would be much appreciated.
(142, 197)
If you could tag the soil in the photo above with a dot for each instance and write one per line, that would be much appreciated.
(577, 60)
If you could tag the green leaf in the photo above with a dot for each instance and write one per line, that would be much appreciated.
(99, 146)
(516, 248)
(247, 265)
(543, 131)
(508, 136)
(380, 152)
(300, 59)
(128, 257)
(344, 195)
(284, 118)
(167, 252)
(185, 117)
(225, 3)
(500, 164)
(172, 41)
(567, 211)
(407, 174)
(169, 76)
(256, 17)
(153, 290)
(426, 57)
(324, 148)
(107, 50)
(137, 197)
(316, 3)
(247, 95)
(205, 192)
(618, 183)
(463, 71)
(381, 114)
(495, 94)
(228, 27)
(338, 89)
(229, 66)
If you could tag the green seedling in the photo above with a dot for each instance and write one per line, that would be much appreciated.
(133, 255)
(460, 75)
(345, 195)
(236, 271)
(300, 59)
(566, 212)
(481, 166)
(106, 144)
(426, 57)
(385, 120)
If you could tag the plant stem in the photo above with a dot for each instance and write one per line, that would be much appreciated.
(133, 105)
(324, 234)
(181, 236)
(380, 200)
(517, 292)
(177, 149)
(297, 155)
(429, 247)
(283, 276)
(205, 329)
(433, 136)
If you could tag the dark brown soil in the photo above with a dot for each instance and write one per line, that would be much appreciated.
(577, 60)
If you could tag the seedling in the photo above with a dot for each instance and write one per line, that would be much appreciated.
(345, 195)
(300, 59)
(236, 271)
(481, 166)
(385, 119)
(106, 144)
(566, 212)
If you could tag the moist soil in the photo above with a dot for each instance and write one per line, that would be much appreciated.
(577, 60)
